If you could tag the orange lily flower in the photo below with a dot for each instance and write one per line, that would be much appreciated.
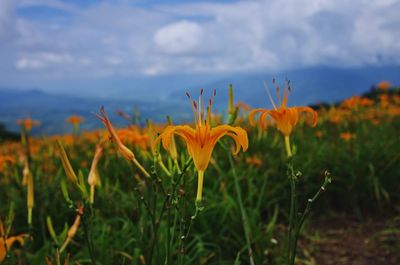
(28, 123)
(4, 160)
(7, 242)
(243, 106)
(285, 118)
(383, 85)
(201, 140)
(75, 120)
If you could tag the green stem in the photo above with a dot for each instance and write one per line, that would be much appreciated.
(141, 168)
(288, 147)
(87, 239)
(91, 198)
(167, 255)
(163, 167)
(178, 168)
(242, 211)
(169, 199)
(156, 229)
(307, 211)
(200, 178)
(292, 216)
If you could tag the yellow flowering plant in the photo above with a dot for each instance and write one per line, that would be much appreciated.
(286, 119)
(201, 139)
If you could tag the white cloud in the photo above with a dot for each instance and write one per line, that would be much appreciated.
(124, 39)
(179, 38)
(25, 63)
(152, 70)
(42, 60)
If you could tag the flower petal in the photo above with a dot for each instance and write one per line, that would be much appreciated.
(253, 113)
(186, 132)
(312, 112)
(262, 119)
(238, 134)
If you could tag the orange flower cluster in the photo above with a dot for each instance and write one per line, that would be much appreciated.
(135, 136)
(356, 101)
(201, 138)
(337, 116)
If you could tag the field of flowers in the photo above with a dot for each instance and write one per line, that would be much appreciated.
(243, 188)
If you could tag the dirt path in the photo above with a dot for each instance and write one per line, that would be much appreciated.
(346, 241)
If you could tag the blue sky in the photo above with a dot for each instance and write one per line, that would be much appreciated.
(51, 43)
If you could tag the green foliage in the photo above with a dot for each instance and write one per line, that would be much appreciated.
(139, 220)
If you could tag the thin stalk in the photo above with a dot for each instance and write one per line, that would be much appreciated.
(306, 213)
(290, 255)
(182, 224)
(92, 190)
(242, 211)
(199, 208)
(287, 147)
(88, 243)
(66, 242)
(141, 168)
(178, 168)
(292, 217)
(146, 205)
(162, 165)
(172, 236)
(167, 254)
(170, 197)
(167, 205)
(156, 228)
(200, 178)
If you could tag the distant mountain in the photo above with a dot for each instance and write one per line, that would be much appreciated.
(309, 86)
(52, 110)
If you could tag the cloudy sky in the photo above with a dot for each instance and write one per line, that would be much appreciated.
(75, 42)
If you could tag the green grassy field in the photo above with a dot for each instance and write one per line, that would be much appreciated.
(244, 215)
